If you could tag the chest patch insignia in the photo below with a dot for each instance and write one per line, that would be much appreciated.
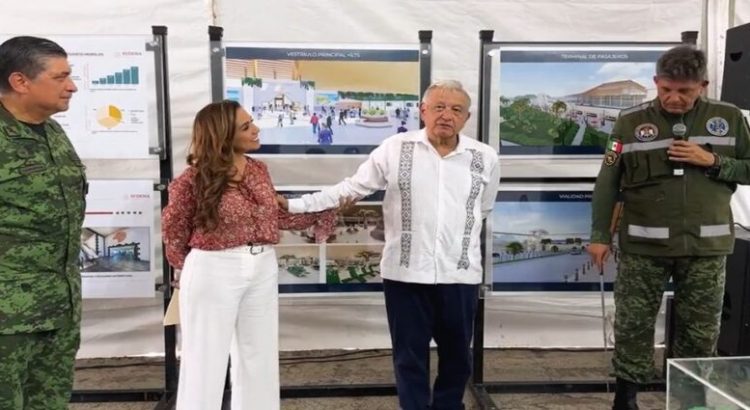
(717, 126)
(646, 132)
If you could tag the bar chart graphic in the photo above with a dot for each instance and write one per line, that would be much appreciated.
(127, 76)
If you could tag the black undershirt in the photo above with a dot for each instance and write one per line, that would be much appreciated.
(37, 128)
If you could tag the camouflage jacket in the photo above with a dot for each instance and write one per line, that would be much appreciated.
(665, 213)
(42, 203)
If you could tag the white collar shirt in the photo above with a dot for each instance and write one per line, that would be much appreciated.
(433, 206)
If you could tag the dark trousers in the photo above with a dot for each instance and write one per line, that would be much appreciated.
(418, 313)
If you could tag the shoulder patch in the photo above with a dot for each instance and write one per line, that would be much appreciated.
(614, 145)
(610, 158)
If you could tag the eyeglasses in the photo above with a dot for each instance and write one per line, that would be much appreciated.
(456, 110)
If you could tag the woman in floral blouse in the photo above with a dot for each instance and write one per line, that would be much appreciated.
(219, 228)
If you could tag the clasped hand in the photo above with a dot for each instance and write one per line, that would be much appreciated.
(691, 153)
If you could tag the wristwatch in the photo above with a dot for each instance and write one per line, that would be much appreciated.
(715, 168)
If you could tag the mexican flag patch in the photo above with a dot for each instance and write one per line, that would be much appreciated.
(615, 146)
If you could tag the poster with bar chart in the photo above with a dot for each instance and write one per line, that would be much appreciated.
(112, 114)
(125, 76)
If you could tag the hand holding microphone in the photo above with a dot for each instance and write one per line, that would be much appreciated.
(678, 131)
(682, 151)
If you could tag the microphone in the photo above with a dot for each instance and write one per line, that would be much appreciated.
(679, 130)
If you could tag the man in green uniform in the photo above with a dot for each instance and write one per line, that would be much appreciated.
(42, 202)
(675, 162)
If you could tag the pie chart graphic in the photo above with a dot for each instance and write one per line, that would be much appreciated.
(109, 116)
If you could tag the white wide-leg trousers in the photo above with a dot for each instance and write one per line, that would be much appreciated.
(229, 303)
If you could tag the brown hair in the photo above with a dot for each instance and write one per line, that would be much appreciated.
(211, 154)
(682, 63)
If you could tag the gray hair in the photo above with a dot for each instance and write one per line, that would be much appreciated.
(27, 55)
(447, 85)
(682, 63)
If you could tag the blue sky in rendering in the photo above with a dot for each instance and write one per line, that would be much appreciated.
(560, 79)
(553, 217)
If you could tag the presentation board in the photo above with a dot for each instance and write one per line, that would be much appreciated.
(113, 113)
(117, 240)
(561, 100)
(325, 98)
(348, 262)
(539, 239)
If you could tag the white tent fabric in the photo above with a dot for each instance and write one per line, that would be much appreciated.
(742, 13)
(130, 327)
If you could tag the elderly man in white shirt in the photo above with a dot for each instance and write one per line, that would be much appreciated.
(439, 186)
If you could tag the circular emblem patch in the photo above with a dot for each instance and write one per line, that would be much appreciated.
(717, 126)
(646, 132)
(610, 158)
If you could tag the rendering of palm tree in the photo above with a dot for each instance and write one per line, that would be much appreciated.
(514, 248)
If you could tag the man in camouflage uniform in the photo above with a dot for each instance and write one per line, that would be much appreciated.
(675, 161)
(42, 190)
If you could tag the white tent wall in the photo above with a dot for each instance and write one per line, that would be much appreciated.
(716, 21)
(741, 12)
(132, 327)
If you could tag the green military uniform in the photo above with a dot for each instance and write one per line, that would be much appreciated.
(42, 203)
(677, 226)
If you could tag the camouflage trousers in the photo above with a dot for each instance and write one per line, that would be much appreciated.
(36, 369)
(639, 288)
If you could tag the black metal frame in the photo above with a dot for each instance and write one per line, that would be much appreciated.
(125, 395)
(216, 56)
(164, 151)
(166, 173)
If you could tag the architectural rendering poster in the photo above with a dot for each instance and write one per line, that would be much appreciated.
(108, 116)
(539, 241)
(117, 249)
(323, 98)
(564, 99)
(348, 262)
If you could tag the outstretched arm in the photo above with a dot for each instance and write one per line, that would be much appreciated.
(369, 178)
